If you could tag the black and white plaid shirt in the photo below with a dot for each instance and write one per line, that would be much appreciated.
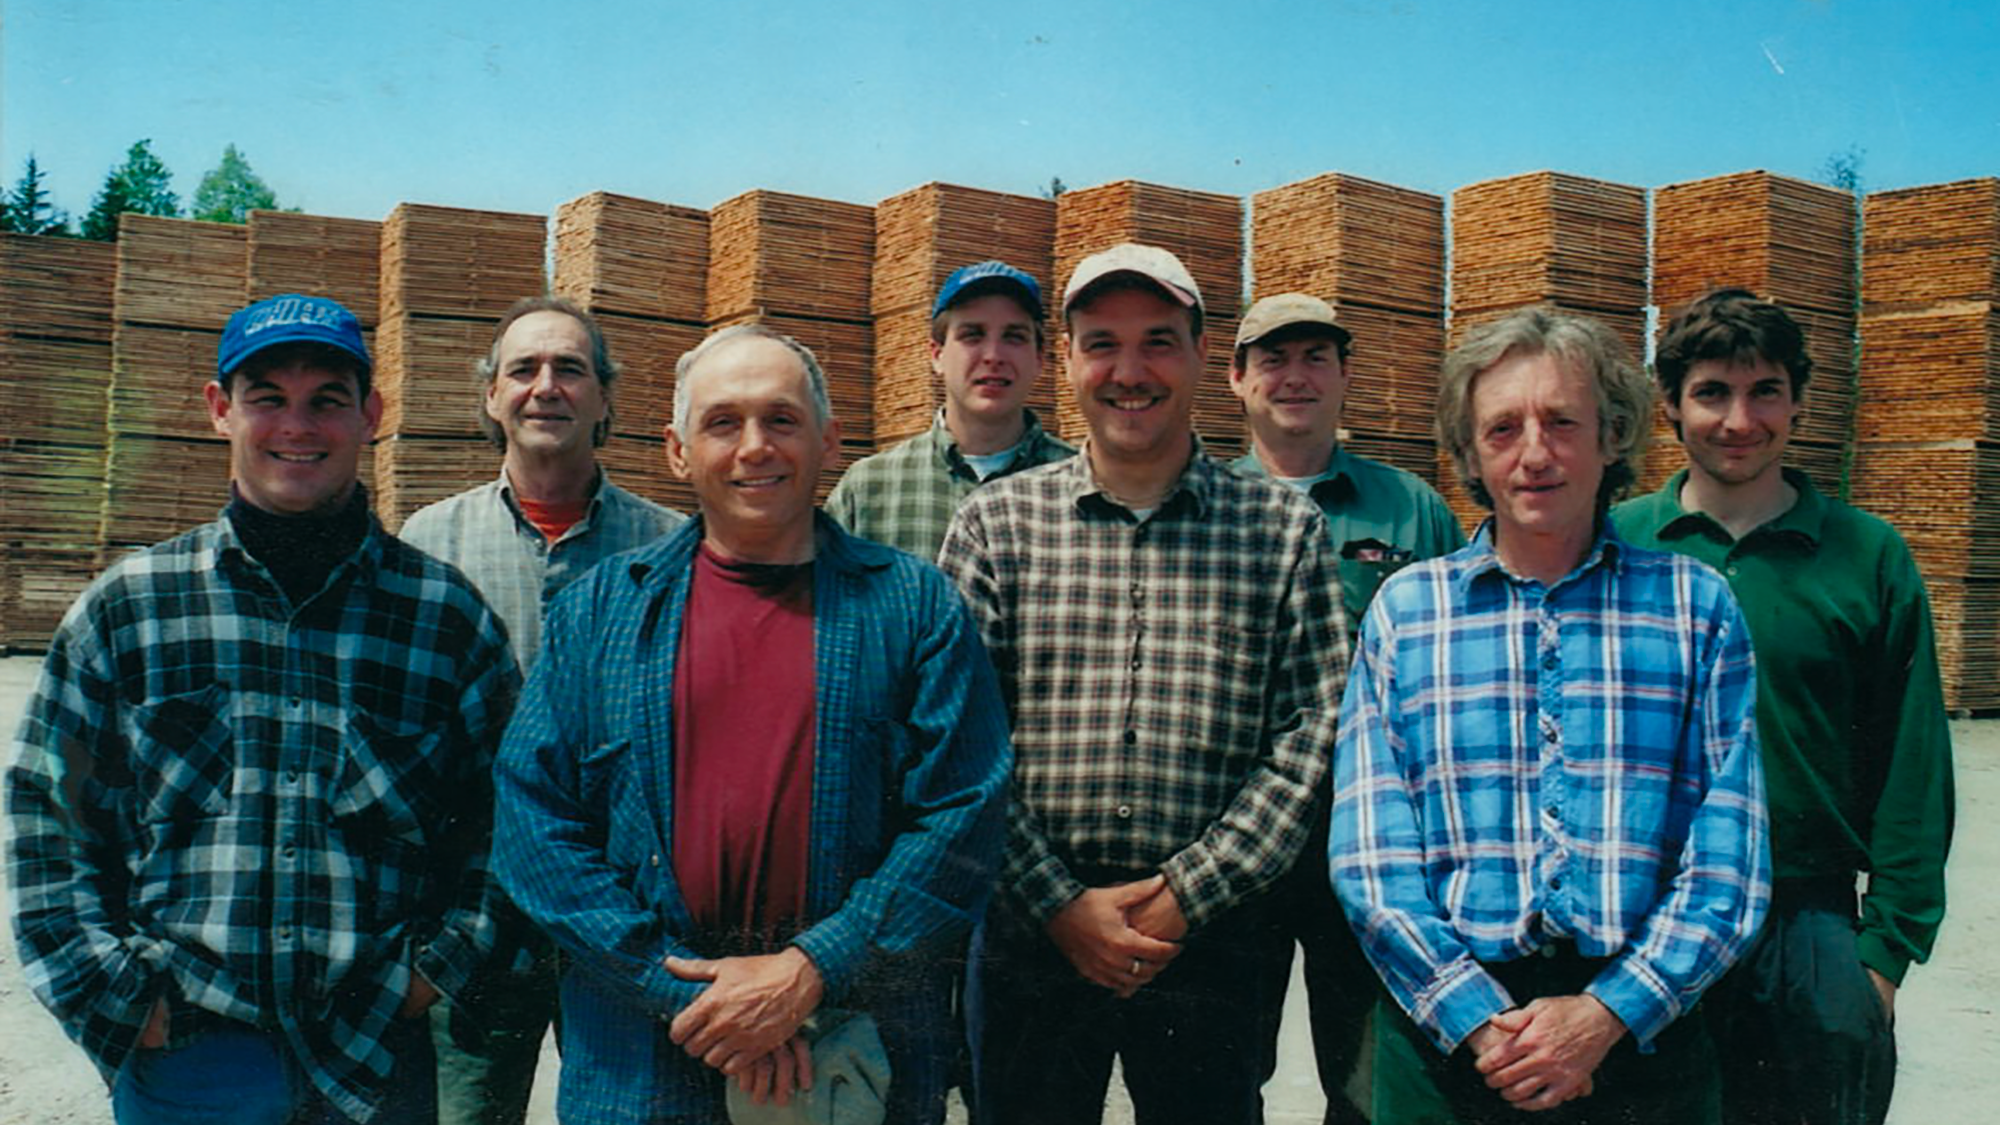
(262, 812)
(1174, 681)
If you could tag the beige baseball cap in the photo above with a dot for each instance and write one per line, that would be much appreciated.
(1153, 263)
(1285, 310)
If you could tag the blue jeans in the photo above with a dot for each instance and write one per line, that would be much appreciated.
(234, 1074)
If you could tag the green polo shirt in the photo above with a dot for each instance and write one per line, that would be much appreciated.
(1850, 715)
(1381, 518)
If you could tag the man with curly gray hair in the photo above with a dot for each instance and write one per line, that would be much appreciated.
(1548, 823)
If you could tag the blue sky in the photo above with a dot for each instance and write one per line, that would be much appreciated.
(520, 107)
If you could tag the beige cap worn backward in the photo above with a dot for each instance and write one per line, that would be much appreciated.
(1150, 262)
(1285, 310)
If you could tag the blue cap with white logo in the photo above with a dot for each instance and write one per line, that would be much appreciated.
(289, 318)
(967, 282)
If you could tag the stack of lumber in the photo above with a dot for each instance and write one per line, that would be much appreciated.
(1376, 253)
(447, 276)
(1548, 240)
(55, 359)
(801, 267)
(1928, 458)
(1205, 231)
(921, 236)
(340, 259)
(177, 283)
(641, 269)
(1788, 241)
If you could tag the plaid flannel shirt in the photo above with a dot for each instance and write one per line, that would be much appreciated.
(259, 811)
(1521, 764)
(1173, 681)
(906, 495)
(482, 532)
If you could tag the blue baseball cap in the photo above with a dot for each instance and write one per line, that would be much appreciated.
(289, 318)
(981, 278)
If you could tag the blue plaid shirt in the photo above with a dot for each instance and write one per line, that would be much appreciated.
(260, 811)
(1522, 764)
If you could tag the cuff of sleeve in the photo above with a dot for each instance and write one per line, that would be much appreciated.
(1198, 885)
(447, 961)
(1882, 957)
(837, 950)
(1639, 998)
(1046, 888)
(1459, 1003)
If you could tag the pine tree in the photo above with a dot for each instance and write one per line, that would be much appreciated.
(140, 184)
(230, 191)
(27, 208)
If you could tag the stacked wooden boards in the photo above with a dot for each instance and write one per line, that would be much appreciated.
(921, 236)
(801, 266)
(1375, 252)
(55, 360)
(1545, 240)
(447, 276)
(1788, 241)
(1206, 232)
(167, 470)
(1928, 421)
(641, 269)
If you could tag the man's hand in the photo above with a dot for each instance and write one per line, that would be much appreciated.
(1886, 991)
(1096, 932)
(751, 1007)
(155, 1034)
(1158, 915)
(419, 998)
(1549, 1051)
(775, 1076)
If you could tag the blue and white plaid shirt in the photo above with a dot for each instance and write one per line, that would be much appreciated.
(259, 811)
(1522, 764)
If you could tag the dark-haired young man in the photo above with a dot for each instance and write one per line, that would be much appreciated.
(1856, 751)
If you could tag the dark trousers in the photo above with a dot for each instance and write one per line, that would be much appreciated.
(1044, 1038)
(488, 1046)
(1798, 1023)
(1341, 986)
(233, 1074)
(1415, 1085)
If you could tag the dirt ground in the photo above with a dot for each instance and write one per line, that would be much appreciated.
(1948, 1029)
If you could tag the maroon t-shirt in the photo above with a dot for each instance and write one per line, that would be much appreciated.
(743, 751)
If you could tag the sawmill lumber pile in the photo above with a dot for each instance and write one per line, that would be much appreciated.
(641, 269)
(1928, 456)
(55, 359)
(320, 256)
(1205, 231)
(447, 276)
(921, 236)
(1375, 252)
(801, 266)
(1551, 240)
(1785, 240)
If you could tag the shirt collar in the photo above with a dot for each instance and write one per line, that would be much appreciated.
(1482, 561)
(953, 458)
(590, 507)
(1196, 483)
(1804, 522)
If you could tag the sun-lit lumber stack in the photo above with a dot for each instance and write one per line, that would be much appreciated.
(1928, 421)
(1788, 241)
(1376, 253)
(641, 268)
(447, 276)
(1202, 229)
(55, 359)
(801, 267)
(1549, 240)
(166, 468)
(921, 236)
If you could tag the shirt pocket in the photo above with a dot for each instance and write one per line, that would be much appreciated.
(391, 780)
(184, 757)
(610, 785)
(1221, 691)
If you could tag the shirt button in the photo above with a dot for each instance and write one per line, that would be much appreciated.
(1131, 738)
(291, 777)
(298, 702)
(1555, 882)
(1549, 660)
(1124, 812)
(656, 860)
(1550, 734)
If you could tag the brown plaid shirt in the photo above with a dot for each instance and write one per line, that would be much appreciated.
(1174, 681)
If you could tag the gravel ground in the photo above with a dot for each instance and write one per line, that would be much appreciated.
(1949, 1031)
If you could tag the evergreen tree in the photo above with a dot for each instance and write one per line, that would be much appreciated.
(230, 191)
(140, 184)
(27, 208)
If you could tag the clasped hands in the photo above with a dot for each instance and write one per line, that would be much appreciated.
(1120, 937)
(1543, 1055)
(746, 1023)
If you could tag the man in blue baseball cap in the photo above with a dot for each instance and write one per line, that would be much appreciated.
(986, 349)
(251, 797)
